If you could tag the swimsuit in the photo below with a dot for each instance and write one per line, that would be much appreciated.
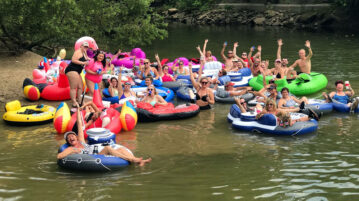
(166, 78)
(153, 103)
(289, 103)
(178, 73)
(75, 67)
(342, 99)
(204, 99)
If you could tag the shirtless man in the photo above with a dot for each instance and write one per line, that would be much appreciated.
(291, 74)
(228, 60)
(304, 62)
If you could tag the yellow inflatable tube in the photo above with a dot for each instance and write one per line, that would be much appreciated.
(28, 115)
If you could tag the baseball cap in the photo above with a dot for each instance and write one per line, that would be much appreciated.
(229, 84)
(278, 60)
(68, 133)
(85, 44)
(272, 87)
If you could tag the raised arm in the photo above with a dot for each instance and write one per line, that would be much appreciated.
(80, 131)
(199, 51)
(235, 45)
(194, 83)
(160, 70)
(205, 46)
(250, 60)
(222, 51)
(119, 84)
(116, 55)
(259, 53)
(310, 54)
(279, 50)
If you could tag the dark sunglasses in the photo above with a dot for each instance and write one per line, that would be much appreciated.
(127, 83)
(181, 64)
(270, 104)
(204, 82)
(149, 89)
(145, 63)
(242, 103)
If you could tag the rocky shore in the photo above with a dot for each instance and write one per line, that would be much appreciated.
(223, 16)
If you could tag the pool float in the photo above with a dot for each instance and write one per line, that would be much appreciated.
(341, 107)
(27, 115)
(166, 93)
(211, 68)
(241, 75)
(92, 43)
(32, 93)
(138, 53)
(304, 84)
(94, 162)
(183, 94)
(147, 113)
(142, 83)
(230, 99)
(128, 116)
(268, 124)
(126, 62)
(62, 118)
(175, 85)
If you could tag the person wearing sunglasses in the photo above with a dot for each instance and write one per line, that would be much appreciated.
(147, 70)
(222, 78)
(204, 96)
(230, 55)
(255, 62)
(163, 71)
(290, 73)
(94, 71)
(125, 92)
(180, 70)
(78, 145)
(152, 97)
(73, 71)
(271, 108)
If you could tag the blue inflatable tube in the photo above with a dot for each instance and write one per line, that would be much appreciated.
(108, 97)
(182, 93)
(320, 106)
(341, 107)
(142, 83)
(237, 76)
(91, 162)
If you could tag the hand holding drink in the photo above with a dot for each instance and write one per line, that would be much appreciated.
(347, 85)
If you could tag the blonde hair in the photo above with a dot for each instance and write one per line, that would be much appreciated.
(272, 102)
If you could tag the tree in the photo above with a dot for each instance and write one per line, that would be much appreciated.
(28, 24)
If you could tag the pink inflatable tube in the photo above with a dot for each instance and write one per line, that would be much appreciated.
(138, 53)
(126, 62)
(92, 43)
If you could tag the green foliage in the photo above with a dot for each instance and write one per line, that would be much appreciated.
(187, 5)
(29, 24)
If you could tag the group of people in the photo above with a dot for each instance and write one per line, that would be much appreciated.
(270, 101)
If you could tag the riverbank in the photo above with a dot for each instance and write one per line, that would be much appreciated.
(302, 16)
(14, 69)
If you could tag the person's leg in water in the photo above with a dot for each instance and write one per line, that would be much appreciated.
(73, 76)
(123, 153)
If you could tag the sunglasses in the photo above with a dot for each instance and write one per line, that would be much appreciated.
(244, 54)
(127, 83)
(149, 89)
(242, 103)
(270, 104)
(204, 82)
(181, 64)
(145, 63)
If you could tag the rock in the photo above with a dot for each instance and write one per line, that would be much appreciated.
(259, 20)
(307, 18)
(271, 13)
(172, 11)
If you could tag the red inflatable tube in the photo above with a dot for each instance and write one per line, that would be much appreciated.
(60, 90)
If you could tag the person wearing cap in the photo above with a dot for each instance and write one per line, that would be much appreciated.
(73, 71)
(342, 96)
(230, 90)
(147, 70)
(163, 71)
(78, 145)
(304, 62)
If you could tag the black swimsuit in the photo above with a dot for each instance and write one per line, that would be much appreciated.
(75, 67)
(204, 99)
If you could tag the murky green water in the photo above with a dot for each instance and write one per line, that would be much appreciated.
(203, 158)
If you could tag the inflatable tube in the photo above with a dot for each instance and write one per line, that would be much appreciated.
(32, 93)
(182, 93)
(27, 115)
(108, 97)
(92, 43)
(126, 62)
(147, 113)
(100, 135)
(142, 83)
(60, 90)
(237, 76)
(341, 107)
(138, 53)
(304, 84)
(92, 162)
(320, 106)
(268, 124)
(230, 99)
(62, 118)
(175, 85)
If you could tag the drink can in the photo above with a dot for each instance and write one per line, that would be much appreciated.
(347, 85)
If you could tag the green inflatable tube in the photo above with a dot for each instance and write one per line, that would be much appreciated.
(304, 84)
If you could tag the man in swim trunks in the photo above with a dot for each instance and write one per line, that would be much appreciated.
(227, 59)
(304, 62)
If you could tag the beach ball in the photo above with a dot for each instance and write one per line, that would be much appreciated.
(31, 92)
(128, 116)
(62, 54)
(62, 118)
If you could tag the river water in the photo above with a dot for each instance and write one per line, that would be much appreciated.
(203, 158)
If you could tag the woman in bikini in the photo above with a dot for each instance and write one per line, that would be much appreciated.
(152, 97)
(204, 96)
(180, 70)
